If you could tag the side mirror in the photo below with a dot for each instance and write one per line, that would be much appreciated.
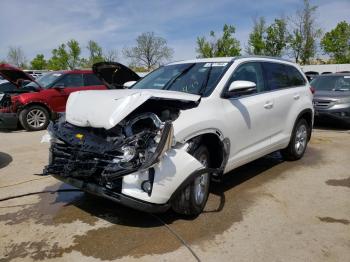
(129, 84)
(59, 86)
(241, 87)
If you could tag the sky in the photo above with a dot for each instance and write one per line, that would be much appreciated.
(38, 26)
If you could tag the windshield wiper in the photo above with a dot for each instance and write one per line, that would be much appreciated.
(173, 80)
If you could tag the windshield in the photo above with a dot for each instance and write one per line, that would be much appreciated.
(193, 78)
(331, 83)
(46, 80)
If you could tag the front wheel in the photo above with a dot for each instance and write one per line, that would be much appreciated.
(192, 199)
(298, 141)
(34, 118)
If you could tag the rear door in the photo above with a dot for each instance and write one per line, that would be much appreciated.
(286, 85)
(69, 83)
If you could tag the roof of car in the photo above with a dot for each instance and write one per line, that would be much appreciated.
(228, 59)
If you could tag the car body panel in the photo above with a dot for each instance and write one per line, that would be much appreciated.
(114, 105)
(251, 128)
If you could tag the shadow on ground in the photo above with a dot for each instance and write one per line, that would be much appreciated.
(5, 159)
(331, 125)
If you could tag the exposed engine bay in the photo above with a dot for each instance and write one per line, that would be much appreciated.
(136, 143)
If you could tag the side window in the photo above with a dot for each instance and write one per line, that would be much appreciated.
(295, 77)
(91, 80)
(276, 76)
(249, 72)
(71, 80)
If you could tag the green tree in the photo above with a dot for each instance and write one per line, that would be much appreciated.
(256, 41)
(336, 43)
(304, 34)
(150, 51)
(111, 55)
(39, 62)
(226, 45)
(59, 59)
(276, 38)
(73, 54)
(95, 53)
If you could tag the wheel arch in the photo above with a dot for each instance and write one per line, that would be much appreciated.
(215, 142)
(306, 114)
(42, 104)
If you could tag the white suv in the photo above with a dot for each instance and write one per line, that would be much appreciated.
(159, 143)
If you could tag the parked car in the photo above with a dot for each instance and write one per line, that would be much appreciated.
(2, 80)
(33, 104)
(332, 97)
(159, 143)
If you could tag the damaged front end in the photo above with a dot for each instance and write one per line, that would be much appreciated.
(135, 161)
(107, 155)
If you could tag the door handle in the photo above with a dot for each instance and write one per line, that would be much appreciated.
(296, 96)
(268, 105)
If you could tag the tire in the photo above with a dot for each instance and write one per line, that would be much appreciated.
(34, 118)
(191, 200)
(298, 141)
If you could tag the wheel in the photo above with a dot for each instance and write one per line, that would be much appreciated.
(34, 118)
(298, 141)
(192, 199)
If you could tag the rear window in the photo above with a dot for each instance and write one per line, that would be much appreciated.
(295, 77)
(276, 76)
(91, 80)
(280, 76)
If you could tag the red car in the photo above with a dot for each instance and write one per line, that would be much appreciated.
(35, 102)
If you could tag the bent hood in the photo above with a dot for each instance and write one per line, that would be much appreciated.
(13, 74)
(113, 74)
(105, 109)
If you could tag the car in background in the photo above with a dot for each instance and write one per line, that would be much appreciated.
(332, 97)
(35, 103)
(36, 73)
(311, 75)
(2, 80)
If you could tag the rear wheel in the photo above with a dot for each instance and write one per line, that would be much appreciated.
(34, 118)
(192, 199)
(298, 141)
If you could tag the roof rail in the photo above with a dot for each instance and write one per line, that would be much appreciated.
(262, 56)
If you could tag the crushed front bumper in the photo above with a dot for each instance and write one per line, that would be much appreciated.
(8, 120)
(125, 200)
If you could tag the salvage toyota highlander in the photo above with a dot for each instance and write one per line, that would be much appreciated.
(158, 144)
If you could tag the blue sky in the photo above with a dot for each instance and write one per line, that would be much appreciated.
(38, 26)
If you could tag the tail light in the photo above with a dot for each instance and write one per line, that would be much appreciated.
(312, 89)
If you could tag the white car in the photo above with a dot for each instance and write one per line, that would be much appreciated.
(159, 143)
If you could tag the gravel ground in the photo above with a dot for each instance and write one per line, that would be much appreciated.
(268, 210)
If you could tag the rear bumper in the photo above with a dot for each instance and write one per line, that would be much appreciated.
(8, 120)
(120, 198)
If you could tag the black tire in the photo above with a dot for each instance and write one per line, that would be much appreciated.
(292, 152)
(186, 202)
(28, 120)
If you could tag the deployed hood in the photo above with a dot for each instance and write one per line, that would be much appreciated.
(14, 74)
(113, 74)
(105, 109)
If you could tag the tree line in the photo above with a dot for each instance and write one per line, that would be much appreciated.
(297, 37)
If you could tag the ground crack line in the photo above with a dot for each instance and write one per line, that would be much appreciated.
(173, 232)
